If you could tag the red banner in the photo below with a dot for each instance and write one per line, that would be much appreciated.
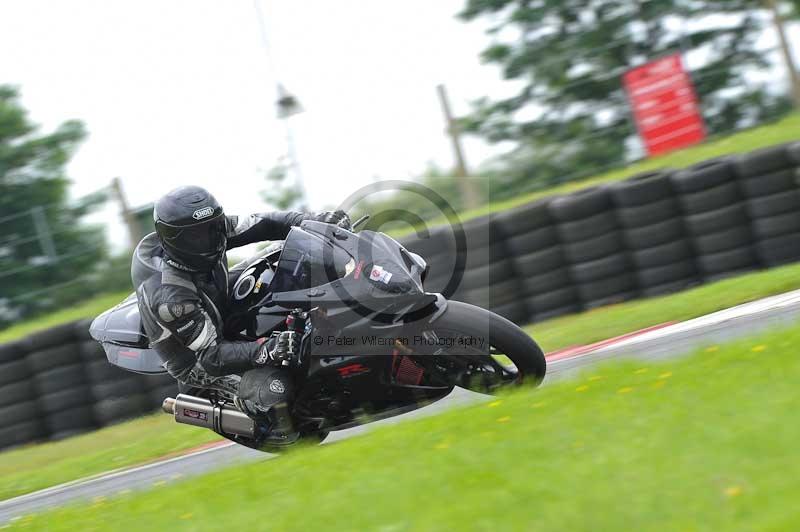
(664, 105)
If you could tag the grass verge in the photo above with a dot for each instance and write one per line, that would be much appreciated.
(784, 130)
(90, 308)
(708, 442)
(40, 466)
(607, 322)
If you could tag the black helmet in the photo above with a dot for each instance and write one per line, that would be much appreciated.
(192, 227)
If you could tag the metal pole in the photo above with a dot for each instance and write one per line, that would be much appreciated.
(43, 232)
(469, 193)
(294, 163)
(794, 75)
(283, 113)
(134, 230)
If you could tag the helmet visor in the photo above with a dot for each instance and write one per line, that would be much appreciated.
(202, 238)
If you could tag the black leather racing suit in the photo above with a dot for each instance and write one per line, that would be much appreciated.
(182, 313)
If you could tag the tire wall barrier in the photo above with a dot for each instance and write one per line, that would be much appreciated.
(58, 382)
(652, 234)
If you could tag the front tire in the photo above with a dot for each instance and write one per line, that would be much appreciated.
(501, 335)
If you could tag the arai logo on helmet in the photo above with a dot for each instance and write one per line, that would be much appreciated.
(205, 212)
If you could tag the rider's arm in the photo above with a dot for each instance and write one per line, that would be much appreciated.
(185, 325)
(264, 226)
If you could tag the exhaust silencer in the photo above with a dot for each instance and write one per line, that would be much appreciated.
(201, 412)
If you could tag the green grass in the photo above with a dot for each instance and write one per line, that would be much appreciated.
(90, 308)
(607, 322)
(704, 443)
(40, 466)
(784, 130)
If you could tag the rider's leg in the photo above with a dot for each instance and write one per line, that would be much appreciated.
(199, 378)
(266, 395)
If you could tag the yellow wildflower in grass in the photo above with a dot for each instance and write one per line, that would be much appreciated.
(504, 419)
(596, 377)
(626, 389)
(712, 348)
(582, 388)
(758, 348)
(494, 404)
(733, 491)
(186, 516)
(665, 375)
(641, 370)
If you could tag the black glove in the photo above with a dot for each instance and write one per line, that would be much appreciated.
(279, 350)
(338, 218)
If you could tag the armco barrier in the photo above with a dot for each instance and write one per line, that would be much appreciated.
(651, 234)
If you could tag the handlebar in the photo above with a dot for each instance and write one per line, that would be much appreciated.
(360, 221)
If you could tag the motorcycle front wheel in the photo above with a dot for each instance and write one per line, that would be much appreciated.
(485, 351)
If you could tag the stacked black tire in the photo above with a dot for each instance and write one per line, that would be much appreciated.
(653, 231)
(20, 421)
(538, 260)
(117, 394)
(716, 219)
(157, 388)
(770, 183)
(64, 400)
(489, 279)
(597, 259)
(58, 382)
(438, 248)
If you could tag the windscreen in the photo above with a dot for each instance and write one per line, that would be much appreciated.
(308, 260)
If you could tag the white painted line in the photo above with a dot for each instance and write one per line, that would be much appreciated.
(107, 476)
(747, 309)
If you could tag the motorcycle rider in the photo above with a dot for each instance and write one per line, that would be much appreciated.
(182, 282)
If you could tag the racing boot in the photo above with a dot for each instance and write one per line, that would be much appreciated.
(265, 395)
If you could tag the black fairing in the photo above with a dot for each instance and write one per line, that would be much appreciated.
(322, 276)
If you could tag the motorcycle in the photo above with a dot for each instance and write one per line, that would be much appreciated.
(373, 343)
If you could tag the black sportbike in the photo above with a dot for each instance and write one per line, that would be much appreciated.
(373, 343)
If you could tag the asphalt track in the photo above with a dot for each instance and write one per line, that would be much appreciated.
(652, 344)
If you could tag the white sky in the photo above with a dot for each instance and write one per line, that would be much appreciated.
(182, 91)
